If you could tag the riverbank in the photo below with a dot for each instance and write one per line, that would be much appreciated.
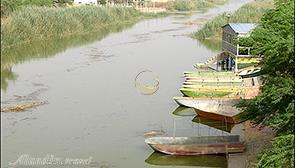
(210, 33)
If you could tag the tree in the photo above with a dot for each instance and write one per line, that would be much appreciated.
(275, 105)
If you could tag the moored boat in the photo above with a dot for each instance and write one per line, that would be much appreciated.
(195, 94)
(207, 92)
(222, 109)
(213, 78)
(196, 145)
(195, 83)
(250, 73)
(210, 73)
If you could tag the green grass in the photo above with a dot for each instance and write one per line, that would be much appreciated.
(193, 5)
(249, 13)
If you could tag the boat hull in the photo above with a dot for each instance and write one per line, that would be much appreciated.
(222, 109)
(219, 117)
(195, 94)
(197, 145)
(198, 149)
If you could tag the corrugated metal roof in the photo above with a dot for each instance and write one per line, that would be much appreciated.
(242, 27)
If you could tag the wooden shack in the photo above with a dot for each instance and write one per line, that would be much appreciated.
(231, 33)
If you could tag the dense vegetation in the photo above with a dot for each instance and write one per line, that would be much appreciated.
(275, 105)
(33, 23)
(210, 33)
(190, 5)
(8, 6)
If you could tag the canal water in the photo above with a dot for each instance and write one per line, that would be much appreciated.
(94, 111)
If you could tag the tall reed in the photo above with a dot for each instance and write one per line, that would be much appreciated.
(34, 23)
(190, 5)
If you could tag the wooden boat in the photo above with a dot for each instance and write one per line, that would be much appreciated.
(194, 93)
(213, 78)
(207, 92)
(236, 88)
(222, 109)
(250, 73)
(248, 60)
(196, 145)
(220, 125)
(212, 83)
(184, 111)
(210, 74)
(160, 159)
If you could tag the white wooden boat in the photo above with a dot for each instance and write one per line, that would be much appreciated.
(250, 73)
(222, 109)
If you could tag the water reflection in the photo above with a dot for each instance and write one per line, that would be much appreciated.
(160, 159)
(187, 123)
(7, 75)
(220, 125)
(184, 111)
(212, 44)
(46, 49)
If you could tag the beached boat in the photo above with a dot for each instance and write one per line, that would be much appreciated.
(223, 87)
(222, 109)
(207, 92)
(213, 78)
(212, 83)
(249, 60)
(210, 74)
(195, 94)
(196, 145)
(160, 159)
(250, 73)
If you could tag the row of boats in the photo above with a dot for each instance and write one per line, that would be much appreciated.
(213, 95)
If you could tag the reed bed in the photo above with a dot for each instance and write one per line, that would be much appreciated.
(251, 12)
(34, 23)
(191, 5)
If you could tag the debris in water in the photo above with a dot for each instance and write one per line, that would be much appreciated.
(23, 107)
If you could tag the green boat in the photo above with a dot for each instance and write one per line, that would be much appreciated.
(195, 93)
(208, 72)
(212, 83)
(211, 74)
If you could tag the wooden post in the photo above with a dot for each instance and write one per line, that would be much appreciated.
(236, 64)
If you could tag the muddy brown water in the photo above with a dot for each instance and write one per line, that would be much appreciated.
(94, 111)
